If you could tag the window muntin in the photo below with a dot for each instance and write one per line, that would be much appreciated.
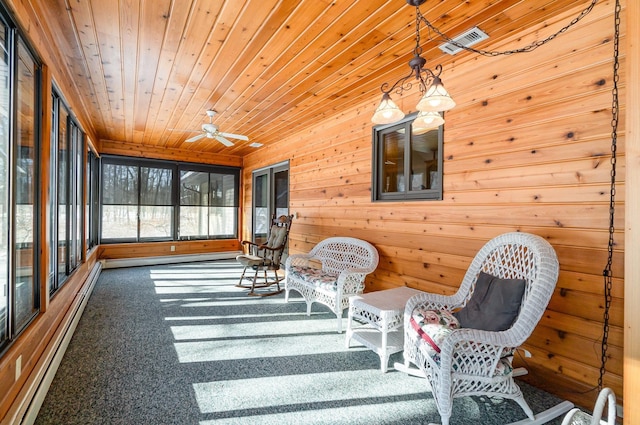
(407, 165)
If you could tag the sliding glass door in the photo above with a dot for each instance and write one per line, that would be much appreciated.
(270, 196)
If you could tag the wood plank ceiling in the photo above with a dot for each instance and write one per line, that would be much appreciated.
(269, 67)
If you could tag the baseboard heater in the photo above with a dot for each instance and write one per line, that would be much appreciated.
(169, 259)
(50, 361)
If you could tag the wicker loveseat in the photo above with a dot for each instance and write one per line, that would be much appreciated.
(331, 272)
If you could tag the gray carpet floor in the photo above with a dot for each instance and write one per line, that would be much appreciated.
(180, 344)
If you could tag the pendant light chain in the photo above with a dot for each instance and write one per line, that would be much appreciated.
(607, 273)
(527, 48)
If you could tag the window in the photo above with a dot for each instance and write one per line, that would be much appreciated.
(66, 191)
(119, 202)
(208, 205)
(93, 201)
(407, 165)
(153, 200)
(19, 188)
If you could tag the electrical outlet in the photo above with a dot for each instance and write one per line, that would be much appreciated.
(18, 367)
(173, 248)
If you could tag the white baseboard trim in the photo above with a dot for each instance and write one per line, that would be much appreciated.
(47, 366)
(169, 259)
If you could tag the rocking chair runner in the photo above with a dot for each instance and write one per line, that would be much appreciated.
(470, 361)
(265, 257)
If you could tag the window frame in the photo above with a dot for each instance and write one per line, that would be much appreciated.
(66, 193)
(15, 314)
(378, 158)
(177, 168)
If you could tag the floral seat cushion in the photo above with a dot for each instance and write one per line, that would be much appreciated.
(433, 327)
(315, 276)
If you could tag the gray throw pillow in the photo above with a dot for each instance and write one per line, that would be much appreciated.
(494, 304)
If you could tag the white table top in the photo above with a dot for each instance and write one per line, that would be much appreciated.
(387, 300)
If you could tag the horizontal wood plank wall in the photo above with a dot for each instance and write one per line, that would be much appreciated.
(526, 149)
(160, 249)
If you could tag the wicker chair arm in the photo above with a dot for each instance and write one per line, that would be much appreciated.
(432, 301)
(299, 260)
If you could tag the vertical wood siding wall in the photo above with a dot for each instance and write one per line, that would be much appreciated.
(528, 148)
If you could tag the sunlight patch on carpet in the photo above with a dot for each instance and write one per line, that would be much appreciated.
(301, 390)
(250, 347)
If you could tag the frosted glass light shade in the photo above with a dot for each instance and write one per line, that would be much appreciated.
(436, 99)
(387, 112)
(426, 121)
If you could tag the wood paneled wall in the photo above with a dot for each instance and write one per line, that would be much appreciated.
(528, 148)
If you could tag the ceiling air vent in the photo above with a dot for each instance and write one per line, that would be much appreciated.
(468, 38)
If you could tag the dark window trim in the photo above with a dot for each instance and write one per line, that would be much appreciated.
(177, 167)
(376, 164)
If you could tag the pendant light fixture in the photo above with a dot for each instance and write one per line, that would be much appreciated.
(434, 97)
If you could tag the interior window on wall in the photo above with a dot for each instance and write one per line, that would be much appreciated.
(407, 162)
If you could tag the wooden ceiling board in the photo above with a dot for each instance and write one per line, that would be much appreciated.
(232, 63)
(152, 33)
(337, 49)
(128, 18)
(164, 89)
(400, 63)
(144, 68)
(187, 112)
(295, 59)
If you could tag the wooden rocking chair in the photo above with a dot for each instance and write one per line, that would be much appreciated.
(264, 257)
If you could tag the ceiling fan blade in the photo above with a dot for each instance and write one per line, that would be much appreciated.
(222, 140)
(194, 138)
(234, 136)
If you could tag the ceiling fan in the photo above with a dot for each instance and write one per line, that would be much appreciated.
(210, 131)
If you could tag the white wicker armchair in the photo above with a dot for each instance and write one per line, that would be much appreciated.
(471, 361)
(331, 272)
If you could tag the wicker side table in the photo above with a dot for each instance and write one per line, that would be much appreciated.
(381, 316)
